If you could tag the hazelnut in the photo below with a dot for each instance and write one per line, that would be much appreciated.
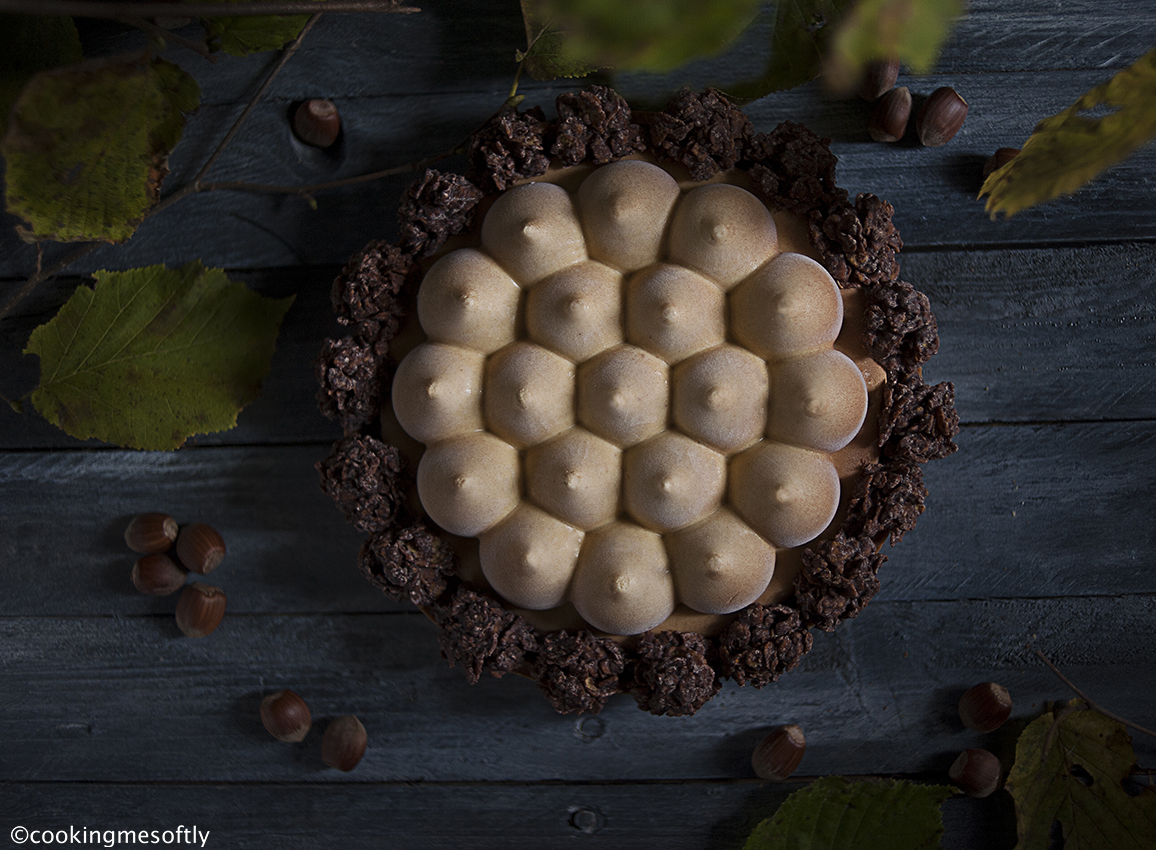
(316, 123)
(985, 707)
(286, 716)
(878, 78)
(778, 755)
(200, 548)
(976, 772)
(888, 121)
(999, 159)
(940, 117)
(343, 743)
(158, 575)
(200, 609)
(150, 533)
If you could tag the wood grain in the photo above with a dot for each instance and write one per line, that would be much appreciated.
(877, 697)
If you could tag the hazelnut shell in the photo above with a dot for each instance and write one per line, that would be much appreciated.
(976, 772)
(150, 533)
(999, 159)
(200, 548)
(200, 609)
(343, 743)
(940, 117)
(888, 122)
(158, 575)
(985, 707)
(878, 78)
(286, 716)
(317, 123)
(778, 755)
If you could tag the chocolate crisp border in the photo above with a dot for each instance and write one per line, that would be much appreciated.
(668, 673)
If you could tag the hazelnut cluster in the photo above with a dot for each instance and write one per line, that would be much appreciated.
(677, 370)
(982, 708)
(168, 554)
(937, 121)
(287, 718)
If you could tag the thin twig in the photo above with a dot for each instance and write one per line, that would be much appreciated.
(42, 274)
(1092, 703)
(156, 32)
(101, 9)
(194, 185)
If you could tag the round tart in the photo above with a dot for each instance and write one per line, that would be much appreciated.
(632, 406)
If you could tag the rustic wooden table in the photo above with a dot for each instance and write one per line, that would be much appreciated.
(1038, 532)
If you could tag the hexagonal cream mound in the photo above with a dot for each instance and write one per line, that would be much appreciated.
(721, 565)
(529, 558)
(723, 232)
(533, 231)
(622, 584)
(623, 395)
(624, 208)
(437, 392)
(789, 305)
(576, 312)
(720, 397)
(468, 300)
(528, 396)
(673, 312)
(576, 478)
(629, 396)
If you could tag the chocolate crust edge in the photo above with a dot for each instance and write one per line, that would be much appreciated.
(668, 673)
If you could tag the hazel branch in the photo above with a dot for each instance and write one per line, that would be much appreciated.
(1092, 703)
(102, 9)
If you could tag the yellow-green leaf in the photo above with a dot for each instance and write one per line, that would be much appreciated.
(834, 813)
(1070, 148)
(240, 35)
(651, 35)
(87, 146)
(910, 30)
(151, 356)
(545, 57)
(1069, 768)
(30, 44)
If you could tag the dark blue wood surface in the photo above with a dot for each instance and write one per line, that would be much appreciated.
(1038, 532)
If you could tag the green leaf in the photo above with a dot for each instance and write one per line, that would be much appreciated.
(911, 30)
(30, 44)
(545, 56)
(87, 146)
(837, 814)
(240, 35)
(651, 35)
(1070, 148)
(798, 44)
(151, 356)
(1069, 768)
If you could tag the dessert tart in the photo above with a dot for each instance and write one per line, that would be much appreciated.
(634, 404)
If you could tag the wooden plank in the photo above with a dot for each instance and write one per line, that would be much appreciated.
(125, 698)
(1027, 335)
(370, 815)
(1025, 511)
(933, 189)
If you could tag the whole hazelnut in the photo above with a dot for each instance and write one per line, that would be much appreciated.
(940, 117)
(343, 743)
(889, 119)
(200, 547)
(985, 707)
(878, 78)
(286, 716)
(317, 123)
(150, 533)
(200, 609)
(778, 755)
(158, 575)
(999, 159)
(976, 772)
